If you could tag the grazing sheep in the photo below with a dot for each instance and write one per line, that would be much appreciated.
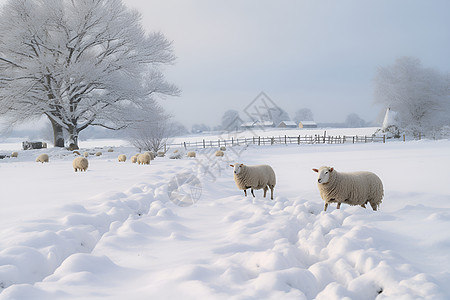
(143, 159)
(254, 178)
(219, 153)
(42, 158)
(355, 188)
(152, 155)
(98, 154)
(80, 163)
(161, 154)
(134, 158)
(86, 154)
(14, 154)
(223, 148)
(122, 158)
(110, 150)
(191, 154)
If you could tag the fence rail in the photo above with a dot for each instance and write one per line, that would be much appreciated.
(262, 141)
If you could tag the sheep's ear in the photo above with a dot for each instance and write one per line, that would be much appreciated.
(241, 165)
(315, 170)
(331, 170)
(232, 166)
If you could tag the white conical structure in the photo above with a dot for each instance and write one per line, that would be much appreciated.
(389, 119)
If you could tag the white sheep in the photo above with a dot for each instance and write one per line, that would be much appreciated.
(223, 148)
(355, 188)
(86, 154)
(143, 159)
(134, 158)
(219, 153)
(122, 158)
(152, 155)
(42, 158)
(15, 154)
(98, 154)
(80, 163)
(254, 178)
(191, 154)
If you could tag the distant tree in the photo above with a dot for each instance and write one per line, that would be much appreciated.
(280, 115)
(197, 128)
(354, 121)
(231, 120)
(80, 63)
(419, 96)
(303, 114)
(152, 134)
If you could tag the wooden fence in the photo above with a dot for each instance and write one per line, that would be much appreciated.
(283, 140)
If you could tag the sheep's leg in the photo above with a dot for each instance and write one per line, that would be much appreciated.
(253, 193)
(326, 206)
(271, 192)
(265, 191)
(245, 193)
(374, 206)
(338, 205)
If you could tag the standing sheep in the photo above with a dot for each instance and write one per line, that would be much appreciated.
(122, 158)
(134, 158)
(254, 178)
(42, 158)
(355, 188)
(15, 154)
(98, 154)
(80, 163)
(152, 155)
(86, 154)
(219, 153)
(143, 159)
(191, 154)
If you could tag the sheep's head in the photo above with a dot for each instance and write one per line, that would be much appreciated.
(324, 174)
(237, 168)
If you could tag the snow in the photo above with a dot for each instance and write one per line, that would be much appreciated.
(114, 233)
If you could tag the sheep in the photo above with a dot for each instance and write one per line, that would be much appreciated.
(122, 158)
(143, 159)
(152, 155)
(86, 154)
(42, 158)
(14, 154)
(80, 163)
(110, 150)
(134, 158)
(161, 154)
(98, 154)
(254, 178)
(219, 153)
(191, 154)
(223, 148)
(355, 188)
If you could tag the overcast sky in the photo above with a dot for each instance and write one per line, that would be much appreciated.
(318, 54)
(322, 55)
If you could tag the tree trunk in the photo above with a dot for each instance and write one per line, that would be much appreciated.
(58, 135)
(73, 138)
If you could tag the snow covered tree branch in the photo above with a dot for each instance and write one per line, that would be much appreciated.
(81, 63)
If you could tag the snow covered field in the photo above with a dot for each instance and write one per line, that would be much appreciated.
(114, 233)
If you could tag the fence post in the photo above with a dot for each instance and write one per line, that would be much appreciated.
(232, 142)
(184, 145)
(285, 139)
(204, 146)
(299, 139)
(384, 139)
(365, 139)
(353, 140)
(404, 138)
(259, 140)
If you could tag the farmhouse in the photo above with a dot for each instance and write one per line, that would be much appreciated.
(287, 124)
(257, 124)
(307, 124)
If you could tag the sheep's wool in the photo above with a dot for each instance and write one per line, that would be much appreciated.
(255, 177)
(355, 188)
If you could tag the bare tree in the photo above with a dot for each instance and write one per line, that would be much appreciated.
(419, 96)
(152, 135)
(303, 114)
(354, 121)
(81, 63)
(231, 120)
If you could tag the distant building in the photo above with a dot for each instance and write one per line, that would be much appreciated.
(307, 124)
(257, 124)
(287, 124)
